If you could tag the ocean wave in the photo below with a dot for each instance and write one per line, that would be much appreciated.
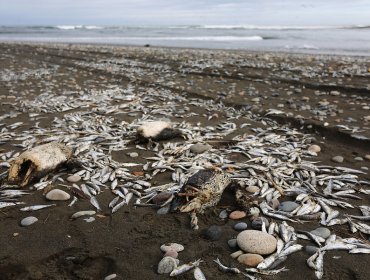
(200, 38)
(72, 27)
(279, 27)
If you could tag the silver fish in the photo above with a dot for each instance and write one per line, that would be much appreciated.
(36, 207)
(185, 267)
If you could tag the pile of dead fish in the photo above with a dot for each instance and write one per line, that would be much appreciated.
(276, 161)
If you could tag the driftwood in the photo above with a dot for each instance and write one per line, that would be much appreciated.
(37, 162)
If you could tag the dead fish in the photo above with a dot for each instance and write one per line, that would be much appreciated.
(36, 207)
(95, 203)
(225, 268)
(185, 267)
(198, 274)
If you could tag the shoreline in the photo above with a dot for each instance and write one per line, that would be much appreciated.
(68, 92)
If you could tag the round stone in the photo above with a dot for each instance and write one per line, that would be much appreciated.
(251, 260)
(28, 221)
(213, 233)
(172, 246)
(365, 168)
(338, 159)
(133, 155)
(252, 189)
(236, 215)
(322, 232)
(256, 242)
(236, 254)
(166, 265)
(240, 226)
(223, 215)
(163, 210)
(257, 223)
(311, 249)
(314, 148)
(57, 194)
(200, 148)
(232, 243)
(367, 157)
(171, 253)
(74, 178)
(288, 206)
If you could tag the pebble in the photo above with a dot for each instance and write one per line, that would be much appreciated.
(28, 221)
(223, 215)
(213, 233)
(236, 215)
(166, 265)
(257, 223)
(288, 206)
(311, 249)
(365, 168)
(314, 148)
(240, 226)
(251, 260)
(322, 232)
(74, 178)
(83, 213)
(358, 158)
(232, 243)
(236, 254)
(200, 148)
(133, 155)
(172, 246)
(57, 194)
(252, 189)
(164, 210)
(110, 277)
(338, 159)
(257, 242)
(254, 212)
(171, 253)
(367, 157)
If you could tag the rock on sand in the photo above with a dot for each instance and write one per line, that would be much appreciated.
(257, 242)
(57, 194)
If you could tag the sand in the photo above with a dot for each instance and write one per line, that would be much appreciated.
(127, 243)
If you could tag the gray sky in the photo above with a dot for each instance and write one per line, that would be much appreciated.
(173, 12)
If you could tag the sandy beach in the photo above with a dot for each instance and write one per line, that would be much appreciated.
(50, 91)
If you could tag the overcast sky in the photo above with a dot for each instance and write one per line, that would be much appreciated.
(174, 12)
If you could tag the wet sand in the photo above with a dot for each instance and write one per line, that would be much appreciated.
(317, 94)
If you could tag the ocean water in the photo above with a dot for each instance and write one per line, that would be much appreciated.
(353, 40)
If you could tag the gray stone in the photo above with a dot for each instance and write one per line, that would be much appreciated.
(232, 243)
(322, 232)
(133, 155)
(166, 265)
(172, 246)
(199, 148)
(240, 226)
(338, 159)
(74, 178)
(28, 221)
(288, 206)
(257, 223)
(236, 254)
(311, 249)
(57, 194)
(256, 242)
(163, 210)
(223, 215)
(213, 233)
